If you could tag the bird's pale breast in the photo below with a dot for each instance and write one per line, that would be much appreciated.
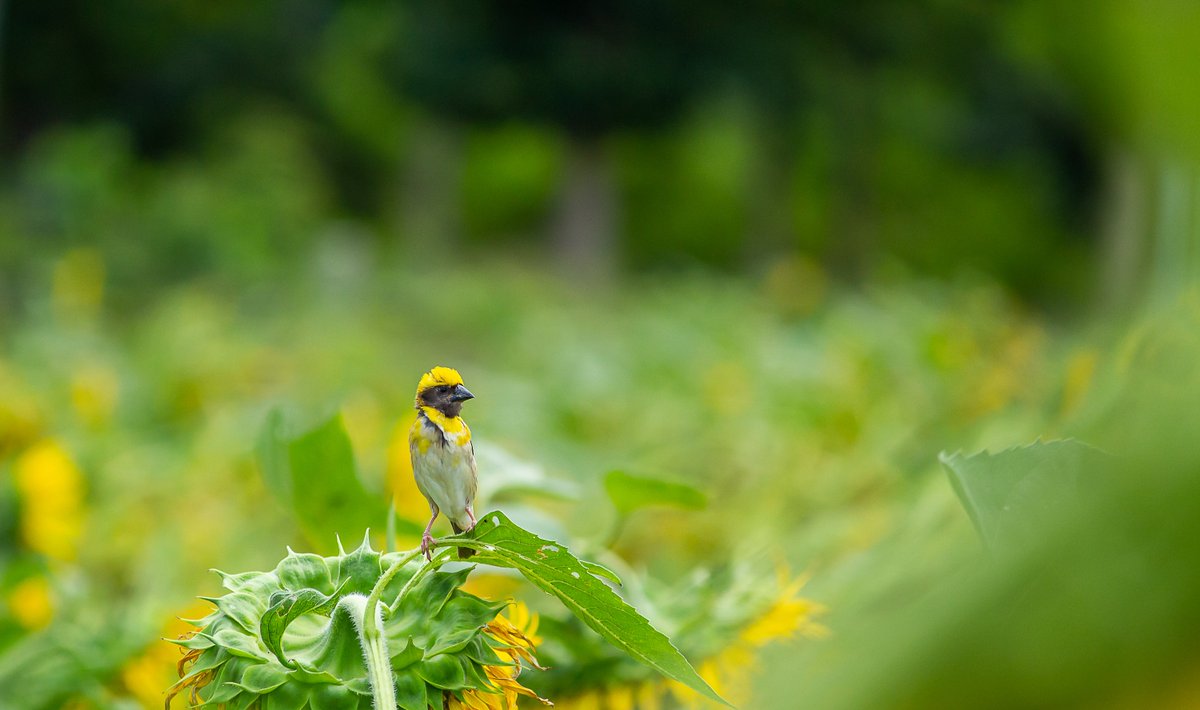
(444, 466)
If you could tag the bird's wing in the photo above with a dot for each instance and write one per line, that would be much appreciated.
(473, 486)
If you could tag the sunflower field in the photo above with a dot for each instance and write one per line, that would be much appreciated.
(765, 484)
(820, 358)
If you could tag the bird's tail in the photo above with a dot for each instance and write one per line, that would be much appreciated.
(463, 552)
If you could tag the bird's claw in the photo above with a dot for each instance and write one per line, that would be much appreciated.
(427, 546)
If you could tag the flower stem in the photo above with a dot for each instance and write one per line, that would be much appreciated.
(375, 652)
(377, 590)
(374, 644)
(391, 526)
(437, 561)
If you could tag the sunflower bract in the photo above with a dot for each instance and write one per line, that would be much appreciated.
(288, 638)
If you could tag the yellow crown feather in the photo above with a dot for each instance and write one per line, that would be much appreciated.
(438, 376)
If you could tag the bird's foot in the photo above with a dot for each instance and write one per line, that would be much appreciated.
(427, 546)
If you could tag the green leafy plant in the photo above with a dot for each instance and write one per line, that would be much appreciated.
(1010, 494)
(365, 629)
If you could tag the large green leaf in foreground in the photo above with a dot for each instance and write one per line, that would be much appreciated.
(629, 493)
(314, 475)
(1009, 494)
(555, 570)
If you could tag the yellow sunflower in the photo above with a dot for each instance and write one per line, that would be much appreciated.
(518, 632)
(728, 672)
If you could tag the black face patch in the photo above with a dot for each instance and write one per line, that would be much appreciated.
(441, 398)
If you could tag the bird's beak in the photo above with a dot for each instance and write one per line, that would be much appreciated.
(461, 394)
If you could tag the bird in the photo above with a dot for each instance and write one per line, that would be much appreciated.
(443, 457)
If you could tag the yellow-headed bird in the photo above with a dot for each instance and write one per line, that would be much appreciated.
(443, 456)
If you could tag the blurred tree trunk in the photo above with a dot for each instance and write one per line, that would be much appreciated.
(771, 231)
(1175, 231)
(1123, 228)
(854, 218)
(585, 225)
(430, 202)
(3, 47)
(1150, 230)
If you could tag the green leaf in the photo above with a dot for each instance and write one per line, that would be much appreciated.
(481, 652)
(475, 675)
(192, 643)
(273, 457)
(443, 671)
(629, 493)
(242, 701)
(410, 690)
(499, 542)
(1009, 495)
(336, 650)
(288, 696)
(459, 621)
(304, 570)
(285, 608)
(224, 687)
(410, 654)
(332, 697)
(263, 678)
(238, 643)
(259, 584)
(314, 475)
(602, 572)
(509, 478)
(243, 607)
(358, 571)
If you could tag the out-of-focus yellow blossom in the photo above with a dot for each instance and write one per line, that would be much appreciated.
(730, 671)
(641, 696)
(621, 698)
(491, 585)
(78, 288)
(1081, 369)
(94, 394)
(725, 387)
(952, 347)
(1002, 381)
(791, 615)
(649, 696)
(588, 701)
(363, 416)
(20, 418)
(145, 676)
(518, 633)
(410, 504)
(50, 487)
(31, 603)
(796, 286)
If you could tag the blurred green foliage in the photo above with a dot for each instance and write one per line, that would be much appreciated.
(938, 137)
(1084, 602)
(852, 238)
(814, 437)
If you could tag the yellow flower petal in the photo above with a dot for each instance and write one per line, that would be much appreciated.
(31, 603)
(50, 486)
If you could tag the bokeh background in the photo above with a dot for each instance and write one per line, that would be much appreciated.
(783, 255)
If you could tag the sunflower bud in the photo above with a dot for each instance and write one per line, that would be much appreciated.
(295, 637)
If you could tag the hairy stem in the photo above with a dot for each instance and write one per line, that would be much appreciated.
(437, 561)
(377, 590)
(374, 643)
(391, 526)
(374, 647)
